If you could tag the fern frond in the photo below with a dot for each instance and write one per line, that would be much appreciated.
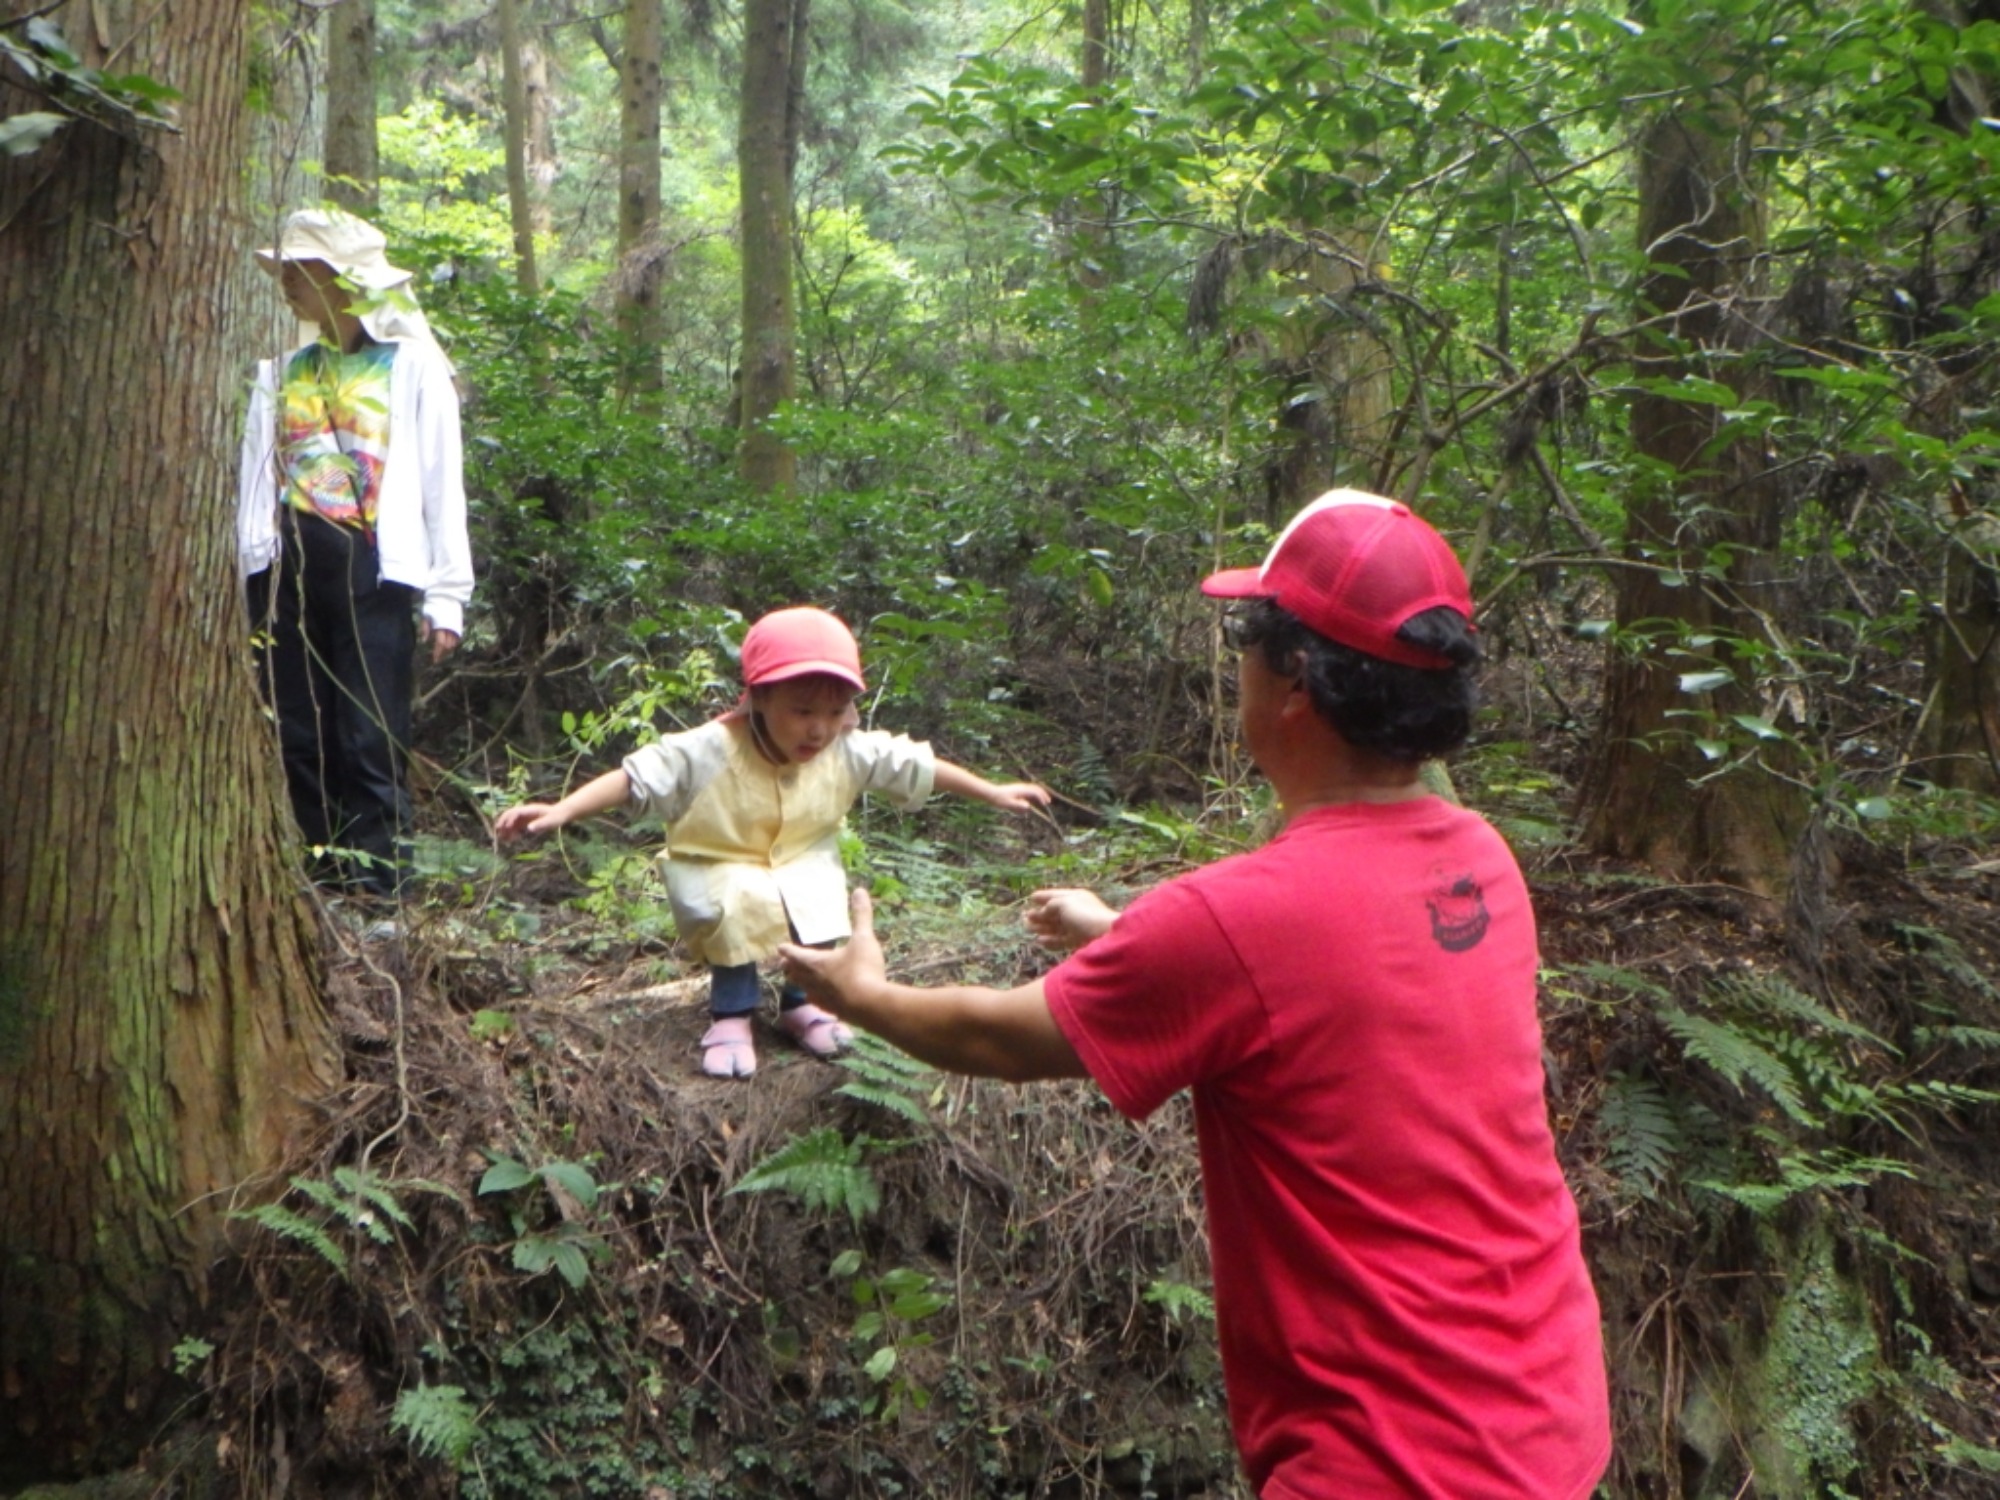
(366, 1186)
(1737, 1056)
(876, 1059)
(888, 1078)
(282, 1222)
(1945, 952)
(1624, 981)
(823, 1169)
(1642, 1136)
(1773, 995)
(440, 1421)
(895, 1101)
(1958, 1036)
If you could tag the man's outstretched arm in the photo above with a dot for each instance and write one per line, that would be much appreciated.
(970, 1029)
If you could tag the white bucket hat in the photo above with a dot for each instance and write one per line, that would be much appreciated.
(358, 251)
(352, 246)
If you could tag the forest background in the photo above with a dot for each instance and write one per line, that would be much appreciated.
(992, 326)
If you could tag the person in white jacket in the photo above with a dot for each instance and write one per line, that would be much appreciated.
(351, 538)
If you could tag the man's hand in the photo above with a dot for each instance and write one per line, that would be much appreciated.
(834, 976)
(442, 642)
(1066, 918)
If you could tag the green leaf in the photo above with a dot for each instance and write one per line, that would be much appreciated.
(845, 1264)
(490, 1025)
(1762, 728)
(574, 1179)
(913, 1307)
(21, 134)
(504, 1176)
(570, 1264)
(1703, 682)
(880, 1364)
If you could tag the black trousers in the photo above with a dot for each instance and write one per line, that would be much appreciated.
(339, 670)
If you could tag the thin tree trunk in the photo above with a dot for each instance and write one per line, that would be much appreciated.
(1960, 743)
(159, 1026)
(352, 168)
(1092, 247)
(639, 250)
(514, 100)
(538, 137)
(1649, 795)
(774, 39)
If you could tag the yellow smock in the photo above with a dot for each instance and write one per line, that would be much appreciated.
(753, 849)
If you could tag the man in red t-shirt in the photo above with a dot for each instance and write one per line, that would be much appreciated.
(1400, 1291)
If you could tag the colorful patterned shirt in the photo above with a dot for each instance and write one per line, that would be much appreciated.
(334, 431)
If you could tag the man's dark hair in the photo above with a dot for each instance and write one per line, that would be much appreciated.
(1407, 714)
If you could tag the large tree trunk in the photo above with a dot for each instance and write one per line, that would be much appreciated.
(1334, 415)
(774, 52)
(639, 250)
(159, 1027)
(520, 195)
(1700, 547)
(352, 168)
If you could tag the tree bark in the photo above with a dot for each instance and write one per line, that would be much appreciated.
(1335, 415)
(1960, 743)
(1091, 244)
(774, 41)
(159, 1025)
(352, 167)
(1701, 546)
(520, 196)
(538, 139)
(640, 254)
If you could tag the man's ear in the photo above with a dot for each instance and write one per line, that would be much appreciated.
(1298, 697)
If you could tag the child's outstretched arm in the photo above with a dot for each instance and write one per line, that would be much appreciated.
(1012, 796)
(612, 789)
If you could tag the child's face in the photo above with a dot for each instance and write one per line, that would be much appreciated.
(805, 715)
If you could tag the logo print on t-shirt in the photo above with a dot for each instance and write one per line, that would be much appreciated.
(1458, 912)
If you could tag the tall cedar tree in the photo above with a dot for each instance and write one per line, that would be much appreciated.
(352, 164)
(159, 1023)
(1701, 546)
(774, 59)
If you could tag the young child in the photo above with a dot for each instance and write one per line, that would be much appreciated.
(753, 803)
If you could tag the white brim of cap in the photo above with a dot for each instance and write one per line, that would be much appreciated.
(376, 278)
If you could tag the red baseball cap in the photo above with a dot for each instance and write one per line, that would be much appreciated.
(799, 642)
(1355, 567)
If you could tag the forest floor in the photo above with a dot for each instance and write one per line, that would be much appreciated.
(532, 1251)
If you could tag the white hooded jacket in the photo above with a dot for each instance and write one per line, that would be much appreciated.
(420, 528)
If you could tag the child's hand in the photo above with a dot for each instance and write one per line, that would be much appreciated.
(1067, 918)
(527, 818)
(1019, 796)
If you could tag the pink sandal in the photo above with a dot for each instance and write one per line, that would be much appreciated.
(821, 1034)
(726, 1049)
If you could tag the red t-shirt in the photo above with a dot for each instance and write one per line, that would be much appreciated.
(1400, 1291)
